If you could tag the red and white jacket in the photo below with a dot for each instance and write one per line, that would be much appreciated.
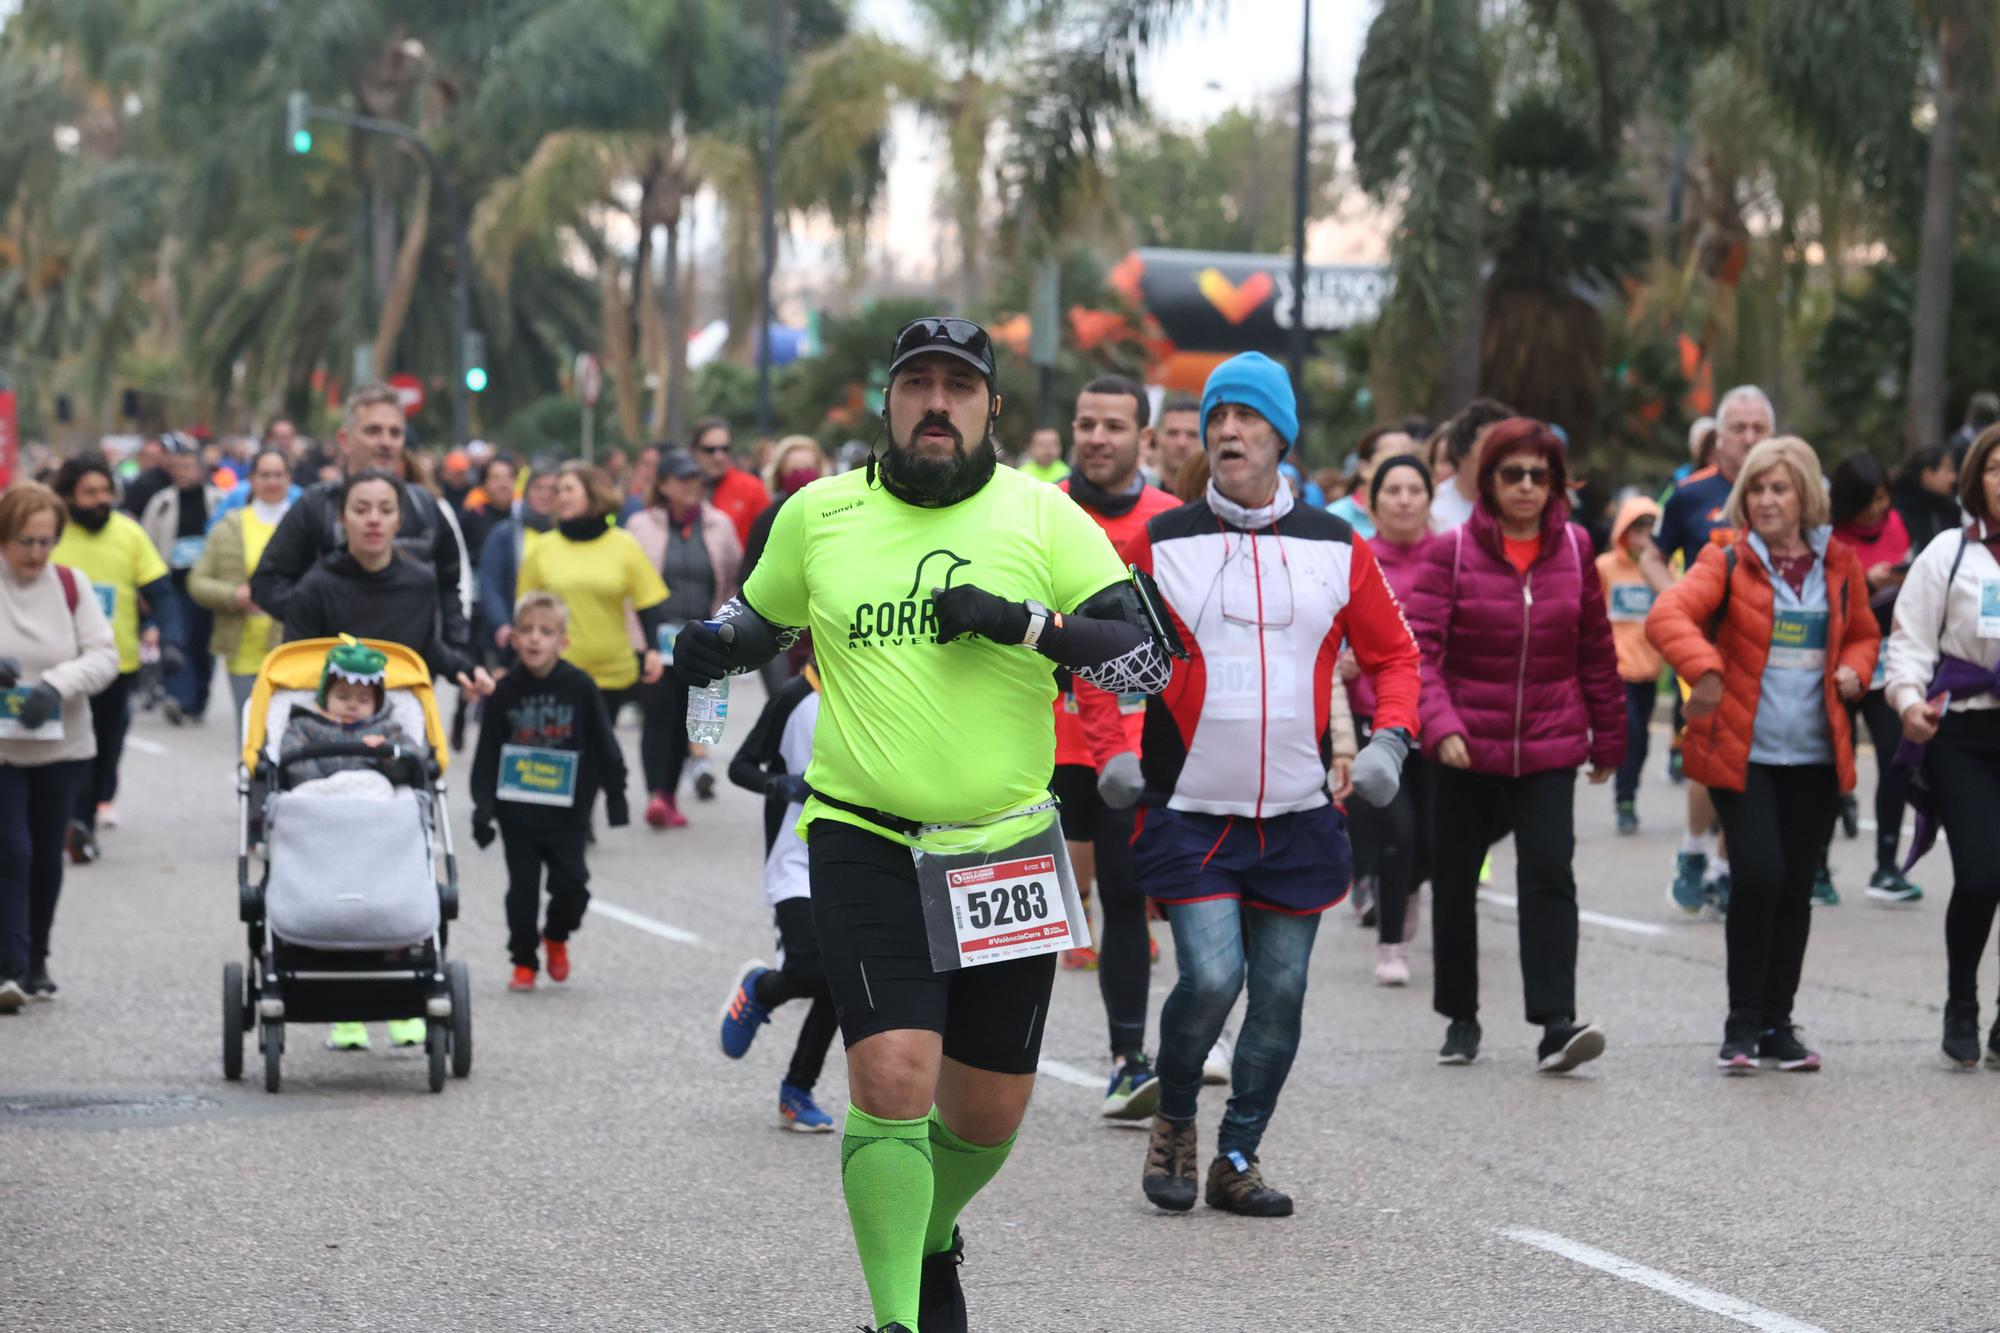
(1262, 599)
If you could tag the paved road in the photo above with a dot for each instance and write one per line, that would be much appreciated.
(605, 1167)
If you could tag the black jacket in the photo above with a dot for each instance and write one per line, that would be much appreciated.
(399, 602)
(1924, 513)
(428, 539)
(560, 711)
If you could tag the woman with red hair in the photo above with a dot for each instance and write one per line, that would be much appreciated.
(1520, 689)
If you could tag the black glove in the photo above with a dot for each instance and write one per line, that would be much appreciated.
(972, 610)
(172, 659)
(616, 812)
(482, 828)
(702, 655)
(790, 786)
(41, 704)
(10, 673)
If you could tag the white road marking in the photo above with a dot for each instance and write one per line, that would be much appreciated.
(144, 746)
(1594, 918)
(1065, 1073)
(625, 916)
(1715, 1302)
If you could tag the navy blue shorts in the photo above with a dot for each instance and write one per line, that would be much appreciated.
(1297, 863)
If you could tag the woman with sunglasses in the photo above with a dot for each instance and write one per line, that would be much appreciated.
(1521, 689)
(56, 650)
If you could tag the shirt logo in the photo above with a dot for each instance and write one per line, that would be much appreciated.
(840, 509)
(913, 619)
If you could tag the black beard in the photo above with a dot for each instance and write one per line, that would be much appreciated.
(936, 483)
(91, 518)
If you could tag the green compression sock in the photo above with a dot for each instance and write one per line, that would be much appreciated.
(961, 1170)
(885, 1172)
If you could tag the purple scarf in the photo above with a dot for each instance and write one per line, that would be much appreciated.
(1955, 678)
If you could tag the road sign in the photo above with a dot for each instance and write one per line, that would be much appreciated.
(589, 379)
(409, 393)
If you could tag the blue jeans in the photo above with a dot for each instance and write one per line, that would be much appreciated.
(1219, 943)
(1639, 700)
(189, 685)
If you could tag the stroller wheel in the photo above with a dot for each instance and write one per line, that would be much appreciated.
(460, 984)
(232, 1021)
(273, 1041)
(434, 1047)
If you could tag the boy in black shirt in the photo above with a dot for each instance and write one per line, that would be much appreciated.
(545, 747)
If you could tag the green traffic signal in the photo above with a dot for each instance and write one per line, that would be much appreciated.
(302, 142)
(475, 378)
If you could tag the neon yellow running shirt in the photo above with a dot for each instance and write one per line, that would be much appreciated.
(939, 733)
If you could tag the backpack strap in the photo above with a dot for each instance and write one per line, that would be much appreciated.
(1944, 612)
(67, 577)
(1728, 581)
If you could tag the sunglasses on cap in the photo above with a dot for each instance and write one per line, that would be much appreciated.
(953, 337)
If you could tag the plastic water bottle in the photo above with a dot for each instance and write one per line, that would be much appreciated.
(708, 706)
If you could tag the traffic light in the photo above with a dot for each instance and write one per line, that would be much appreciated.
(298, 129)
(475, 361)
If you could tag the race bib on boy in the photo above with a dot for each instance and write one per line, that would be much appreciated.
(1630, 601)
(1798, 641)
(1989, 609)
(185, 551)
(10, 719)
(531, 775)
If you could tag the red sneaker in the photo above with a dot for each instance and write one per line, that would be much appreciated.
(657, 808)
(1079, 960)
(675, 819)
(558, 959)
(524, 979)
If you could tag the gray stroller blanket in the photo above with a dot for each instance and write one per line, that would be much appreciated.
(351, 873)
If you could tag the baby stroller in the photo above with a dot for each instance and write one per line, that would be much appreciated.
(347, 917)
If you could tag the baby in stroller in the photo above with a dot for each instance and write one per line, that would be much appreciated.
(353, 705)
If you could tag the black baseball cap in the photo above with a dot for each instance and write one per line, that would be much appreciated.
(947, 336)
(678, 465)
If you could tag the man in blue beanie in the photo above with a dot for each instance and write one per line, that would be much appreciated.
(1239, 810)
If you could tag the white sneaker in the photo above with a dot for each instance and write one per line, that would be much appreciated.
(1392, 966)
(1215, 1069)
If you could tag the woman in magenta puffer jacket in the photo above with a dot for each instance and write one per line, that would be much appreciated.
(1520, 689)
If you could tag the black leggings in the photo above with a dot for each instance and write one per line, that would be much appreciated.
(1885, 732)
(663, 734)
(1394, 845)
(1124, 946)
(1962, 766)
(110, 717)
(801, 976)
(1776, 828)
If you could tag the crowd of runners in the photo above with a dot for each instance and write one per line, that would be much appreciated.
(1015, 716)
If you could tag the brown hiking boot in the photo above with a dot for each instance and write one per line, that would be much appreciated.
(1170, 1165)
(1236, 1185)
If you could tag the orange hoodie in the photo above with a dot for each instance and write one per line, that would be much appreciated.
(1628, 597)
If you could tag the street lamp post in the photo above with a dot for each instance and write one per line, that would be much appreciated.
(1299, 199)
(461, 295)
(768, 203)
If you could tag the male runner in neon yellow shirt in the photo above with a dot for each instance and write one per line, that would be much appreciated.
(942, 591)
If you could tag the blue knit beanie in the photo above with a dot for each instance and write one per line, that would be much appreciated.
(1255, 381)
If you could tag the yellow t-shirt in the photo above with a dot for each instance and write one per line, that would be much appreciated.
(256, 640)
(596, 578)
(118, 559)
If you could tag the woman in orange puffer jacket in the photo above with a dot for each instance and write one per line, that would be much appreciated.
(1776, 634)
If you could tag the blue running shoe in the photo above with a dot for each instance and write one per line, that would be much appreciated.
(800, 1112)
(1823, 892)
(742, 1016)
(1685, 892)
(1716, 891)
(1134, 1091)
